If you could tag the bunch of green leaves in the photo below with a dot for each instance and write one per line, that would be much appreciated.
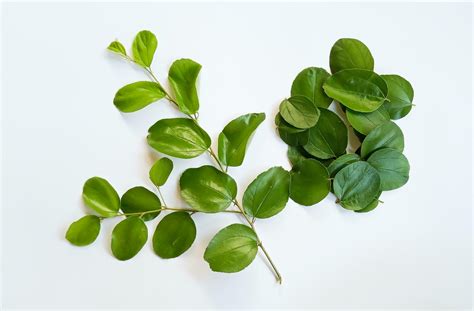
(318, 137)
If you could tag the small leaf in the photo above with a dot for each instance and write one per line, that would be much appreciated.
(174, 235)
(295, 155)
(358, 90)
(400, 95)
(99, 195)
(289, 134)
(118, 48)
(135, 96)
(84, 231)
(268, 194)
(235, 136)
(342, 162)
(182, 76)
(299, 111)
(350, 53)
(369, 207)
(386, 135)
(207, 189)
(128, 238)
(160, 171)
(179, 137)
(310, 182)
(141, 200)
(392, 166)
(144, 47)
(232, 249)
(366, 122)
(309, 83)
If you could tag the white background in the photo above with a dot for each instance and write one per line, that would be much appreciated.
(60, 127)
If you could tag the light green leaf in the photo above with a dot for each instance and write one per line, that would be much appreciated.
(400, 95)
(84, 231)
(310, 182)
(358, 90)
(268, 194)
(350, 53)
(207, 189)
(179, 137)
(392, 166)
(299, 112)
(232, 249)
(174, 235)
(118, 48)
(364, 122)
(309, 83)
(138, 95)
(182, 76)
(144, 47)
(141, 200)
(342, 162)
(386, 135)
(235, 136)
(128, 238)
(160, 171)
(99, 195)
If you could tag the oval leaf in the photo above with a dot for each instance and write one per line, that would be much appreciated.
(358, 90)
(179, 137)
(174, 235)
(289, 134)
(299, 111)
(369, 207)
(84, 231)
(144, 47)
(366, 122)
(386, 135)
(118, 48)
(232, 249)
(160, 171)
(296, 155)
(310, 182)
(268, 194)
(309, 83)
(135, 96)
(342, 162)
(141, 200)
(235, 136)
(400, 96)
(128, 238)
(182, 76)
(99, 195)
(350, 53)
(392, 166)
(207, 189)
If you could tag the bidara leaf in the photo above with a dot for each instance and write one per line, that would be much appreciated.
(309, 83)
(289, 134)
(182, 77)
(135, 96)
(128, 238)
(349, 53)
(99, 195)
(141, 200)
(118, 48)
(299, 111)
(386, 135)
(342, 162)
(392, 166)
(174, 235)
(309, 183)
(160, 171)
(84, 231)
(400, 96)
(144, 47)
(366, 122)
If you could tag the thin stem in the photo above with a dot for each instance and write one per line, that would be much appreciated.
(161, 196)
(278, 275)
(166, 208)
(213, 155)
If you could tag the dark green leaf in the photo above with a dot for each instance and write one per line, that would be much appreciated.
(392, 166)
(144, 47)
(309, 83)
(128, 238)
(295, 155)
(309, 182)
(141, 200)
(342, 162)
(135, 96)
(118, 48)
(207, 189)
(386, 135)
(268, 194)
(160, 171)
(235, 136)
(289, 134)
(400, 94)
(299, 112)
(100, 196)
(174, 235)
(369, 207)
(179, 137)
(182, 76)
(232, 249)
(83, 231)
(350, 53)
(364, 122)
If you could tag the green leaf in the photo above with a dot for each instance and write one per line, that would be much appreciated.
(235, 136)
(350, 53)
(182, 76)
(118, 48)
(357, 185)
(135, 96)
(160, 171)
(369, 207)
(358, 90)
(179, 137)
(366, 122)
(84, 231)
(342, 162)
(144, 47)
(232, 249)
(207, 189)
(392, 166)
(268, 194)
(400, 94)
(289, 134)
(141, 200)
(310, 182)
(128, 238)
(309, 83)
(386, 135)
(99, 195)
(328, 138)
(174, 235)
(295, 155)
(299, 112)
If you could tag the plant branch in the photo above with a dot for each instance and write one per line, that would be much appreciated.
(166, 208)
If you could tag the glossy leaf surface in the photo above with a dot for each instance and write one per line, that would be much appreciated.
(386, 135)
(309, 83)
(364, 122)
(99, 195)
(299, 112)
(117, 47)
(135, 96)
(400, 95)
(309, 182)
(342, 162)
(128, 238)
(141, 200)
(160, 171)
(144, 47)
(289, 134)
(174, 235)
(350, 53)
(84, 231)
(392, 166)
(182, 77)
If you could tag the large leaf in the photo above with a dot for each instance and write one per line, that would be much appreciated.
(128, 238)
(207, 189)
(309, 182)
(141, 200)
(99, 195)
(358, 90)
(144, 47)
(182, 76)
(309, 83)
(299, 112)
(328, 138)
(350, 53)
(268, 194)
(235, 136)
(289, 134)
(135, 96)
(179, 137)
(392, 166)
(84, 231)
(160, 171)
(174, 235)
(366, 122)
(342, 162)
(232, 249)
(400, 94)
(357, 185)
(118, 48)
(386, 135)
